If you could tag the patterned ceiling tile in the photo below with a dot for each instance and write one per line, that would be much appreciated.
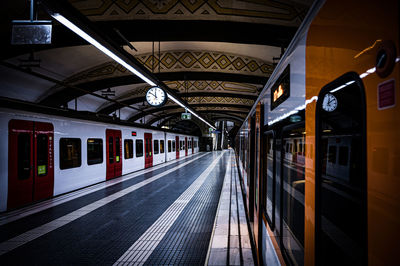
(168, 60)
(270, 12)
(206, 60)
(187, 59)
(223, 61)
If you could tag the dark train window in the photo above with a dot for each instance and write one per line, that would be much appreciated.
(293, 181)
(128, 144)
(269, 175)
(161, 146)
(173, 145)
(156, 146)
(341, 215)
(42, 149)
(139, 148)
(343, 155)
(148, 149)
(332, 154)
(189, 144)
(70, 153)
(94, 151)
(24, 156)
(117, 149)
(169, 146)
(111, 150)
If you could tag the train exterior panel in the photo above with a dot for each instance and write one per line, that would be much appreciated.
(319, 172)
(79, 153)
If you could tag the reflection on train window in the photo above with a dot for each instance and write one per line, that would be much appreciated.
(148, 149)
(139, 148)
(117, 149)
(341, 181)
(173, 145)
(169, 146)
(24, 156)
(42, 150)
(293, 174)
(94, 151)
(128, 144)
(111, 150)
(156, 146)
(269, 175)
(70, 153)
(161, 146)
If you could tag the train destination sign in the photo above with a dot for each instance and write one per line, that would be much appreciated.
(186, 116)
(281, 91)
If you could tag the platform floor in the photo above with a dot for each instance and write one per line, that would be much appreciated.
(157, 216)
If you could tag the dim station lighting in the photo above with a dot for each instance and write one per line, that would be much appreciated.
(116, 58)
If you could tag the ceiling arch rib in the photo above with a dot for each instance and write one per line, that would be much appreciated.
(210, 115)
(203, 107)
(112, 74)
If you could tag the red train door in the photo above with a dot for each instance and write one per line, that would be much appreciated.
(30, 162)
(186, 147)
(148, 149)
(177, 146)
(192, 146)
(113, 151)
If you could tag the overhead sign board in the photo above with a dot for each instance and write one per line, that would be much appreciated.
(281, 90)
(186, 116)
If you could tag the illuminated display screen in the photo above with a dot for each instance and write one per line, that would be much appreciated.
(281, 90)
(134, 133)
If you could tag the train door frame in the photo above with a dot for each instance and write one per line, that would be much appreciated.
(192, 145)
(114, 166)
(148, 150)
(186, 146)
(40, 182)
(177, 147)
(342, 82)
(250, 179)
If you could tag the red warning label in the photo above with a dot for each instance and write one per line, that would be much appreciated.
(386, 94)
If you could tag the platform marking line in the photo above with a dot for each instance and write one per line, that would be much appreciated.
(141, 250)
(38, 207)
(37, 232)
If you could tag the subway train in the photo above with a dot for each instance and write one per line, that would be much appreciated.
(44, 155)
(319, 152)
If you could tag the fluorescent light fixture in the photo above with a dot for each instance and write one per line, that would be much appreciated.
(99, 46)
(176, 100)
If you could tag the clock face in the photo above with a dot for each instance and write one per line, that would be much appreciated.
(156, 96)
(330, 102)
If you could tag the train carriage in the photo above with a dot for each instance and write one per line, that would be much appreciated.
(47, 155)
(318, 153)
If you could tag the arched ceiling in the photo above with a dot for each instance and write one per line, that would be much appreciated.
(216, 55)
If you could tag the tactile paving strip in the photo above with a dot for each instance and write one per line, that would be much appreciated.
(187, 241)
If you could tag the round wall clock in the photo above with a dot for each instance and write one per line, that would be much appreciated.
(330, 102)
(155, 96)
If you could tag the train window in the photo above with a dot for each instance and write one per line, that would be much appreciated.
(156, 146)
(332, 154)
(24, 156)
(139, 148)
(94, 151)
(148, 148)
(42, 151)
(161, 146)
(341, 183)
(269, 175)
(173, 145)
(343, 155)
(70, 153)
(293, 178)
(111, 149)
(128, 144)
(169, 146)
(117, 149)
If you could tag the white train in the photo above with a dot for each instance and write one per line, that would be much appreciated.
(45, 155)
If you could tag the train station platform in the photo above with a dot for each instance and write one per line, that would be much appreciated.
(172, 214)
